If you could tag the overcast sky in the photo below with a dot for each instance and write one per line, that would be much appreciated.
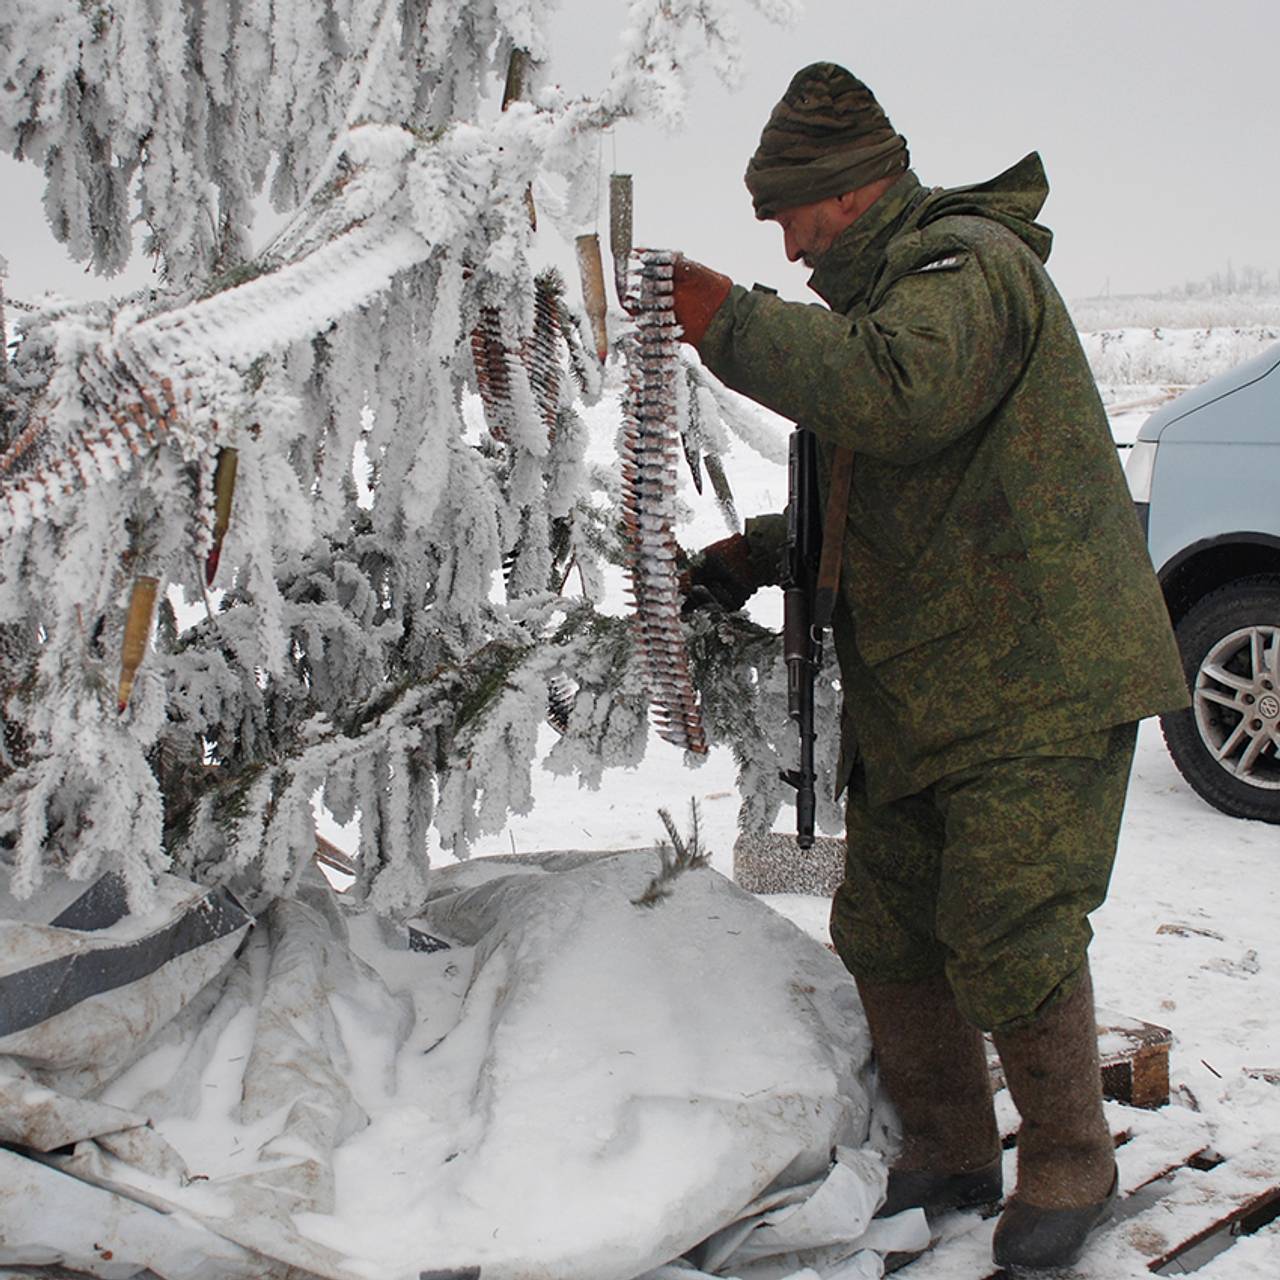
(1156, 120)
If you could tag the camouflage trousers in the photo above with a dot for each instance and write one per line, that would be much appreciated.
(989, 875)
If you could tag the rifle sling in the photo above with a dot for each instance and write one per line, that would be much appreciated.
(824, 602)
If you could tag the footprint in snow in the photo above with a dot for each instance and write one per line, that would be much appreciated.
(1245, 967)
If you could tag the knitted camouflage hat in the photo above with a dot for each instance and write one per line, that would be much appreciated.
(827, 136)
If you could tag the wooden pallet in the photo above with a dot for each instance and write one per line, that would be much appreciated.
(1180, 1205)
(1135, 1059)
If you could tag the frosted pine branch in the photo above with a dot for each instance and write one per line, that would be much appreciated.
(398, 587)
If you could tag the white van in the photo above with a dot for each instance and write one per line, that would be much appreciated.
(1205, 476)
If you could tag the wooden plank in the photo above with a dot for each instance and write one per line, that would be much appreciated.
(1255, 1257)
(1194, 1204)
(1151, 1145)
(330, 855)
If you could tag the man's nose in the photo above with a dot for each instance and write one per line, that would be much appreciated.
(791, 245)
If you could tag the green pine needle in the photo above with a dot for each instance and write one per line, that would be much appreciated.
(677, 857)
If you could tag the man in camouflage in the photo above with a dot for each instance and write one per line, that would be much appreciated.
(998, 627)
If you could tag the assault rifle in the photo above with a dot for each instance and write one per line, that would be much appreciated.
(810, 579)
(801, 638)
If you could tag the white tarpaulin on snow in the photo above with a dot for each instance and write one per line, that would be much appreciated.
(538, 1078)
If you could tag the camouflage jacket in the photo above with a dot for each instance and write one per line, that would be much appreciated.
(996, 597)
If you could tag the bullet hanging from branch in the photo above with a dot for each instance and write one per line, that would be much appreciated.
(224, 488)
(137, 631)
(518, 67)
(591, 269)
(519, 70)
(620, 229)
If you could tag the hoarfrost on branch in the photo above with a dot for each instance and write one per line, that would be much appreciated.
(389, 599)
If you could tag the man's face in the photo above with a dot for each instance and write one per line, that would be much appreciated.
(809, 230)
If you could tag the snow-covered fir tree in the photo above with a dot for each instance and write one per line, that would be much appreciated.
(315, 517)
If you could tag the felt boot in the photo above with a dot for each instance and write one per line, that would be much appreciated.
(934, 1068)
(1066, 1156)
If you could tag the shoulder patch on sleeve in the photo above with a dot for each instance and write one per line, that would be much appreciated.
(947, 263)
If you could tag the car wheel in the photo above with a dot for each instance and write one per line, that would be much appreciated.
(1227, 745)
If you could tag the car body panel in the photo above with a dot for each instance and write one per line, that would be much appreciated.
(1245, 403)
(1204, 491)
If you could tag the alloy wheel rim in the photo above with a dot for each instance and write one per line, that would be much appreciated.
(1237, 705)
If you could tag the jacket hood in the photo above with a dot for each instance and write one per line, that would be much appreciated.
(1012, 198)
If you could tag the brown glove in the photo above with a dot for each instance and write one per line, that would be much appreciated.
(697, 294)
(720, 574)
